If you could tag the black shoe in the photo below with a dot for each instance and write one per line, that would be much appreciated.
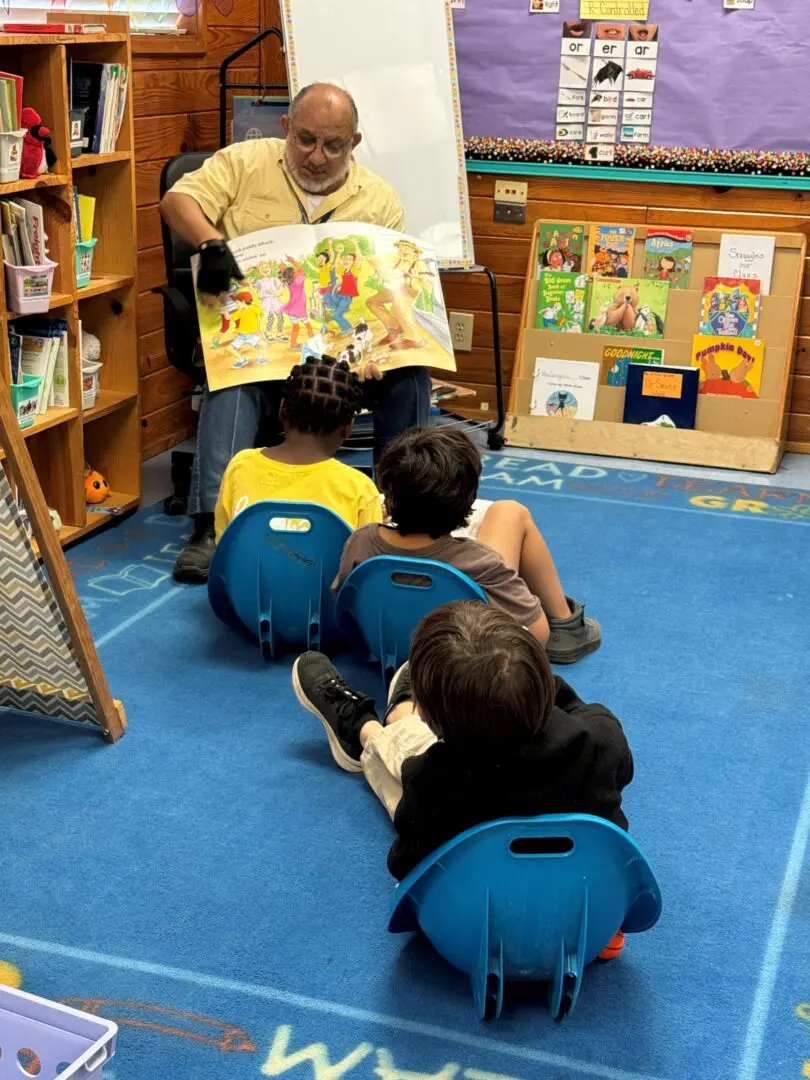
(195, 558)
(400, 688)
(341, 710)
(574, 637)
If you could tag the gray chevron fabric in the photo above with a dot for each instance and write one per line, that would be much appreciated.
(39, 672)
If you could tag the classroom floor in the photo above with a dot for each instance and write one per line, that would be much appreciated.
(218, 886)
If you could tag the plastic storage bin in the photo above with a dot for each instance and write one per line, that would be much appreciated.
(84, 262)
(10, 155)
(90, 370)
(24, 399)
(28, 288)
(64, 1042)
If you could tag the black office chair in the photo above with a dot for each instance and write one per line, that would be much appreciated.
(181, 329)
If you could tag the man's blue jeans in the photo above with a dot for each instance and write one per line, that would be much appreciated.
(231, 420)
(336, 305)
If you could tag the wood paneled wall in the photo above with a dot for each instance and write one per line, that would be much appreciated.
(176, 109)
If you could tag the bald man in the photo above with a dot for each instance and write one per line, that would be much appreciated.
(308, 177)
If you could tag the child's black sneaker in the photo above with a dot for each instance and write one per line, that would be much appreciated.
(574, 637)
(400, 688)
(341, 710)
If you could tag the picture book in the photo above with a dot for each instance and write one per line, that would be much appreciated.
(730, 366)
(668, 256)
(747, 256)
(661, 396)
(616, 358)
(560, 247)
(561, 301)
(730, 307)
(357, 292)
(629, 308)
(564, 388)
(611, 250)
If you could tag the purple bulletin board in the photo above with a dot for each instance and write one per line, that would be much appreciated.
(726, 79)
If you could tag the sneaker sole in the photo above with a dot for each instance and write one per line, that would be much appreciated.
(347, 763)
(570, 656)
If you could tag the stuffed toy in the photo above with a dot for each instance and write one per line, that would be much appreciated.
(96, 488)
(37, 155)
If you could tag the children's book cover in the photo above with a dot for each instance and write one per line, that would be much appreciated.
(564, 388)
(616, 358)
(611, 250)
(356, 292)
(730, 366)
(661, 396)
(629, 308)
(561, 301)
(560, 247)
(730, 307)
(668, 256)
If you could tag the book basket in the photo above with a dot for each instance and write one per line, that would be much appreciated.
(28, 288)
(24, 399)
(84, 262)
(44, 1038)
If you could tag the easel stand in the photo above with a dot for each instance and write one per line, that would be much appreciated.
(495, 436)
(48, 661)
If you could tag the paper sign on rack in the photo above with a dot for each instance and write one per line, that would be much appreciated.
(614, 9)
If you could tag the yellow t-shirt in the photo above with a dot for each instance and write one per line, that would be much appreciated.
(245, 187)
(251, 477)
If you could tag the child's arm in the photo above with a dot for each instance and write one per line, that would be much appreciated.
(611, 761)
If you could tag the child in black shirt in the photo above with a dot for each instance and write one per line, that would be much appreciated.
(478, 728)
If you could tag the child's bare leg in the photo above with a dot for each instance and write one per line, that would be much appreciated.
(509, 529)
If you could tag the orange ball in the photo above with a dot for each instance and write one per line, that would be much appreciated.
(96, 488)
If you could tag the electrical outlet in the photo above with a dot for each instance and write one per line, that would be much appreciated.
(509, 213)
(461, 330)
(511, 191)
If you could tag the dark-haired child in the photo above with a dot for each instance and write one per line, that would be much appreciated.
(429, 477)
(478, 728)
(319, 400)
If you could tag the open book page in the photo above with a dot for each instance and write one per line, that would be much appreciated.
(356, 292)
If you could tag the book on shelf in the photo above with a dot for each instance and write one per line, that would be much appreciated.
(101, 90)
(44, 352)
(730, 307)
(731, 367)
(628, 307)
(564, 388)
(560, 247)
(661, 396)
(24, 236)
(10, 100)
(668, 256)
(611, 251)
(52, 28)
(561, 301)
(15, 351)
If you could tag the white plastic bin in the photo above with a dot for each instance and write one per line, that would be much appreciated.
(63, 1042)
(90, 370)
(10, 155)
(28, 288)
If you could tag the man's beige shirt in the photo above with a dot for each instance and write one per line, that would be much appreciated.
(245, 187)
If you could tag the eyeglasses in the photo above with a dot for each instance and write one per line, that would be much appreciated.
(331, 148)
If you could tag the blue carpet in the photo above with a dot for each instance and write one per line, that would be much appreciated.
(221, 887)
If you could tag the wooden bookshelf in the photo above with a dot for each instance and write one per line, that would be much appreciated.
(108, 436)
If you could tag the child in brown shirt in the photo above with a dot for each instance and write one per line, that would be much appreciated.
(429, 477)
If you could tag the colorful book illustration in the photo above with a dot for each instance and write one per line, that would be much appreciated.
(560, 247)
(661, 396)
(730, 307)
(630, 307)
(354, 291)
(668, 256)
(562, 300)
(617, 358)
(564, 388)
(611, 251)
(747, 256)
(729, 366)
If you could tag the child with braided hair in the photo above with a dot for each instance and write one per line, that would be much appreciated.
(319, 400)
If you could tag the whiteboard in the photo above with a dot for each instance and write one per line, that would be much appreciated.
(397, 60)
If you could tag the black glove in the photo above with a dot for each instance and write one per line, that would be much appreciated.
(217, 269)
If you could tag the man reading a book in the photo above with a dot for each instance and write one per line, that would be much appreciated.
(310, 177)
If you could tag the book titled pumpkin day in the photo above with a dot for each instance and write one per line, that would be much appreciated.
(628, 307)
(729, 366)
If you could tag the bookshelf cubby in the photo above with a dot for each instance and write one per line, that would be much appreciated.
(107, 436)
